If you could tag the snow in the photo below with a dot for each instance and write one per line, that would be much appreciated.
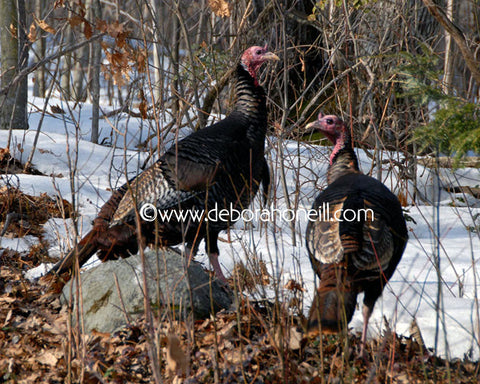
(21, 244)
(449, 326)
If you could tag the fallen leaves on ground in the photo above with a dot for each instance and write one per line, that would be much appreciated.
(259, 343)
(22, 214)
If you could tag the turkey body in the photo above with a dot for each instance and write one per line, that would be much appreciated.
(213, 169)
(218, 167)
(357, 240)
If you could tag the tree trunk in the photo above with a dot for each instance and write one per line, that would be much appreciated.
(78, 73)
(457, 35)
(174, 62)
(448, 64)
(12, 115)
(79, 68)
(95, 79)
(20, 119)
(39, 87)
(9, 59)
(67, 65)
(157, 60)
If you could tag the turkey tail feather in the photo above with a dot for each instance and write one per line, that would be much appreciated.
(85, 249)
(331, 311)
(334, 302)
(88, 245)
(265, 181)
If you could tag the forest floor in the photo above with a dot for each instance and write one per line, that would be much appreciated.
(258, 343)
(261, 342)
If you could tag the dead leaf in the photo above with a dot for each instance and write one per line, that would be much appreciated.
(228, 331)
(4, 154)
(177, 380)
(143, 105)
(291, 337)
(101, 25)
(75, 20)
(56, 109)
(13, 30)
(44, 25)
(416, 333)
(103, 335)
(401, 378)
(235, 356)
(142, 60)
(295, 339)
(8, 318)
(115, 29)
(87, 30)
(220, 7)
(176, 359)
(293, 285)
(47, 358)
(32, 34)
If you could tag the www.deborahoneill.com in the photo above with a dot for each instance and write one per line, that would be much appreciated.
(149, 212)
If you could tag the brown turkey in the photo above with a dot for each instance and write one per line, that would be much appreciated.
(220, 166)
(351, 256)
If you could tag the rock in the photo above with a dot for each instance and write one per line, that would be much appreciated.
(106, 307)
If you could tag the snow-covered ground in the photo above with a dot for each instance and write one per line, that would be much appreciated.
(451, 324)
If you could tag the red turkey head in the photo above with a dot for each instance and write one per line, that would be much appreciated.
(330, 125)
(254, 57)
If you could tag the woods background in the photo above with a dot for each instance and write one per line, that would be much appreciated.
(386, 66)
(405, 75)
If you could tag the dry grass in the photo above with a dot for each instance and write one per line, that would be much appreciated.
(261, 342)
(23, 214)
(37, 345)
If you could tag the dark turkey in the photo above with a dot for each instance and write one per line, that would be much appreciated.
(220, 166)
(351, 256)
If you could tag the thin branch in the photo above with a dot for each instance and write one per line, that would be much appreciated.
(472, 64)
(306, 111)
(35, 66)
(211, 97)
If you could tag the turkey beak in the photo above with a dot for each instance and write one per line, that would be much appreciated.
(312, 127)
(270, 56)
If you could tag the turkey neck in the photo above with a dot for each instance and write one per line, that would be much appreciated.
(251, 103)
(343, 159)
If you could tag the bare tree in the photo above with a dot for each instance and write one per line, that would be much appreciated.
(39, 87)
(448, 65)
(96, 57)
(14, 53)
(459, 37)
(20, 118)
(65, 78)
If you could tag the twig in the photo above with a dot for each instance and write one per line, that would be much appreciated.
(38, 64)
(211, 96)
(457, 34)
(8, 219)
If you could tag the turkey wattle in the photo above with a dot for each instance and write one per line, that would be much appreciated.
(351, 256)
(220, 166)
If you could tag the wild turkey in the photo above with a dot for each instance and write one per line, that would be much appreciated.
(220, 166)
(359, 253)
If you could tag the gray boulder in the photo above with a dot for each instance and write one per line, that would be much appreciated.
(108, 306)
